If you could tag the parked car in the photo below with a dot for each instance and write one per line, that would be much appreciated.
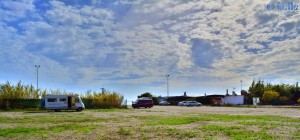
(189, 103)
(193, 103)
(182, 103)
(164, 103)
(145, 102)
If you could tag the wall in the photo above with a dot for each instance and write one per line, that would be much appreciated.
(233, 100)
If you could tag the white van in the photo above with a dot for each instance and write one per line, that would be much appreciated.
(64, 102)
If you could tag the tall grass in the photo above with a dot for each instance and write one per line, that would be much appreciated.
(10, 94)
(18, 91)
(104, 99)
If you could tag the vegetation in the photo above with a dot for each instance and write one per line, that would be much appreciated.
(288, 94)
(148, 94)
(104, 99)
(270, 95)
(18, 91)
(132, 124)
(21, 96)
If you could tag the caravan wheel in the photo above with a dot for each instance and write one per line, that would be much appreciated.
(79, 109)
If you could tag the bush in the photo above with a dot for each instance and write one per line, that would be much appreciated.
(298, 101)
(19, 103)
(270, 95)
(283, 99)
(104, 99)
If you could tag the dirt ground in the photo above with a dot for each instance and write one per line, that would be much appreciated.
(265, 110)
(293, 112)
(130, 123)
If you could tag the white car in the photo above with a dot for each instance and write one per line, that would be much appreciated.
(164, 103)
(182, 103)
(193, 103)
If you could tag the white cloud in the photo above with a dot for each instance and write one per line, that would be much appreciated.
(15, 10)
(199, 43)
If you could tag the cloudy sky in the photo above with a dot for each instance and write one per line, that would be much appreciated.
(129, 46)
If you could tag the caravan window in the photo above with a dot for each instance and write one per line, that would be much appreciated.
(62, 99)
(52, 100)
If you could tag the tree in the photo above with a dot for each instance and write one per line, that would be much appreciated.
(257, 89)
(295, 92)
(283, 99)
(270, 95)
(146, 94)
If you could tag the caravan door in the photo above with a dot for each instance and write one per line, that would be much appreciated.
(71, 102)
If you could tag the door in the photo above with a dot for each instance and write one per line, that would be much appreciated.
(69, 102)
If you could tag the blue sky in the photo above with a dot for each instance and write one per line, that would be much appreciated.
(129, 46)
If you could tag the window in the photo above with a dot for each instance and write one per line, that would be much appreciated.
(62, 99)
(52, 100)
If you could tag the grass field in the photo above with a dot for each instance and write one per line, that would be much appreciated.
(144, 124)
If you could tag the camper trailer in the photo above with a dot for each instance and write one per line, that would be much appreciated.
(63, 102)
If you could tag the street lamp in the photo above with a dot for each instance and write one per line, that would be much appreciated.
(102, 90)
(167, 85)
(37, 76)
(241, 85)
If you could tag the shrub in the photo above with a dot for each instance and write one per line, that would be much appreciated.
(298, 101)
(283, 99)
(104, 99)
(270, 95)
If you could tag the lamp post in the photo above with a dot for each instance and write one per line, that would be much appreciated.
(241, 85)
(37, 76)
(167, 85)
(102, 90)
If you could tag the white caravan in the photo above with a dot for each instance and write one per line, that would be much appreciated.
(63, 102)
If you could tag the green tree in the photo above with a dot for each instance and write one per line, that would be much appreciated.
(283, 99)
(148, 94)
(257, 88)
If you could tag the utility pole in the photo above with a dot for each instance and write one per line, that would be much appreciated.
(37, 76)
(167, 85)
(102, 90)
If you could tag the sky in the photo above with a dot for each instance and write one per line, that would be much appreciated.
(129, 46)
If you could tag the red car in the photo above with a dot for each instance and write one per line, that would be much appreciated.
(145, 102)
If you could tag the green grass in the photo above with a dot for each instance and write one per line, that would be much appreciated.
(50, 118)
(37, 131)
(191, 118)
(124, 131)
(239, 126)
(71, 127)
(21, 131)
(236, 132)
(132, 124)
